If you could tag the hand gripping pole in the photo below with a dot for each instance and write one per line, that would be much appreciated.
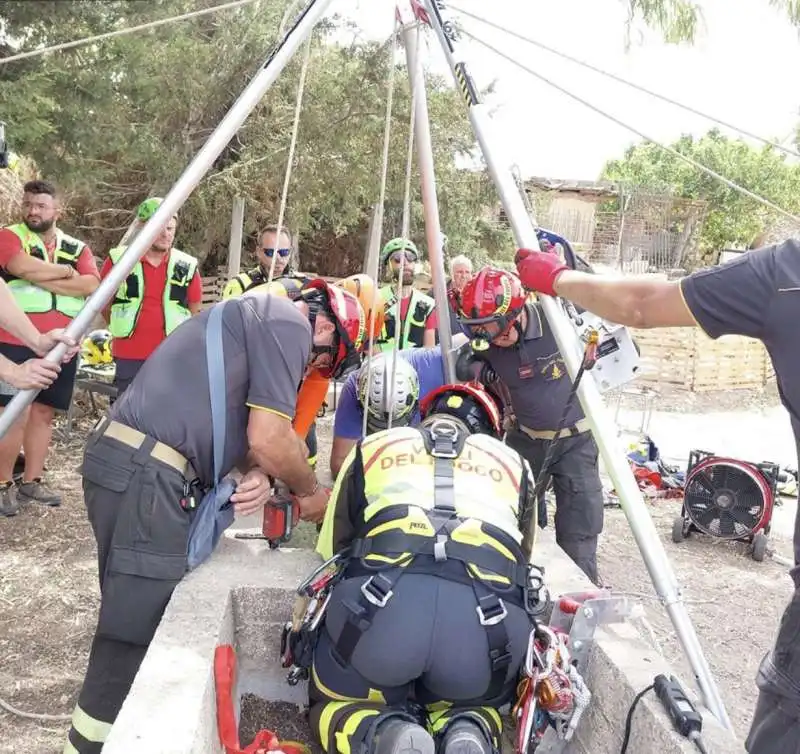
(644, 531)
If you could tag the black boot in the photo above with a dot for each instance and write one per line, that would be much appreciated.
(466, 737)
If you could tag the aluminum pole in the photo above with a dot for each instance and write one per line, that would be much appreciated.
(430, 203)
(630, 496)
(180, 192)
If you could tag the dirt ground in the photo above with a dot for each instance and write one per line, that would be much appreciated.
(49, 593)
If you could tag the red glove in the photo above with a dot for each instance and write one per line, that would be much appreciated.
(538, 270)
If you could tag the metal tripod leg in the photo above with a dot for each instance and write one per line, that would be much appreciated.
(644, 531)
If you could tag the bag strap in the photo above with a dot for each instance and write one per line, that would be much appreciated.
(216, 384)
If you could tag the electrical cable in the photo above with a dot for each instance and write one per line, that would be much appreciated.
(120, 32)
(629, 718)
(627, 82)
(708, 171)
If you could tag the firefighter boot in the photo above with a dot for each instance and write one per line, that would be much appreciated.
(466, 737)
(402, 737)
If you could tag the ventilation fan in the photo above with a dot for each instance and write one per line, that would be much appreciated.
(728, 499)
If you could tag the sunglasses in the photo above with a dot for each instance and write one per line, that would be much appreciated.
(281, 252)
(409, 255)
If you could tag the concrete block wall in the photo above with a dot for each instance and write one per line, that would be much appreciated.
(245, 593)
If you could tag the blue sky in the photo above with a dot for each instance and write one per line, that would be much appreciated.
(742, 68)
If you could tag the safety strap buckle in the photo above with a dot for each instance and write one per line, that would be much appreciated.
(444, 434)
(491, 610)
(377, 590)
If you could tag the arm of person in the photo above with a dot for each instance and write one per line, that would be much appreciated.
(729, 299)
(194, 296)
(33, 374)
(84, 277)
(347, 425)
(35, 270)
(338, 526)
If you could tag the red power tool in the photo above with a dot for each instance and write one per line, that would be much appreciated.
(281, 515)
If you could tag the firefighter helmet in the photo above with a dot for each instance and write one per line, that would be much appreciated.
(490, 304)
(469, 403)
(96, 348)
(344, 310)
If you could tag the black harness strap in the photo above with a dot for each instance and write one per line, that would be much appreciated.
(378, 589)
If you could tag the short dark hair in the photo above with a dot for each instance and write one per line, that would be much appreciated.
(40, 187)
(274, 229)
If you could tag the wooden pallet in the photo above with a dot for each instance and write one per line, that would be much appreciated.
(686, 357)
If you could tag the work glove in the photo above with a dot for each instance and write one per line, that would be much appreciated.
(470, 367)
(538, 270)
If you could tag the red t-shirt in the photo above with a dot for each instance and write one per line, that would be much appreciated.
(150, 328)
(10, 246)
(431, 323)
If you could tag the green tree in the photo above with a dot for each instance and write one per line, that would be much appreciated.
(733, 219)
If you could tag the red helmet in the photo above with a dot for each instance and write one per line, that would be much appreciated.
(491, 302)
(347, 315)
(468, 402)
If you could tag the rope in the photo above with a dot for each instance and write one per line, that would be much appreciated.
(627, 82)
(33, 715)
(416, 76)
(671, 150)
(120, 32)
(387, 130)
(290, 160)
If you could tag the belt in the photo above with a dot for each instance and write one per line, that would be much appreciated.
(134, 439)
(549, 434)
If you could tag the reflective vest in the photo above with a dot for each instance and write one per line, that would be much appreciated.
(247, 281)
(127, 303)
(431, 506)
(31, 298)
(420, 307)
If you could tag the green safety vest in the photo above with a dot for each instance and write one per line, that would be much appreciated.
(128, 300)
(31, 298)
(247, 281)
(420, 308)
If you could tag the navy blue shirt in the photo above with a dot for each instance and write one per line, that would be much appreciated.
(536, 375)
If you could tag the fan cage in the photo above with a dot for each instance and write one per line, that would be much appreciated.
(750, 510)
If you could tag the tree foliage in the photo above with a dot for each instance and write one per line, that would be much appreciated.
(733, 218)
(117, 121)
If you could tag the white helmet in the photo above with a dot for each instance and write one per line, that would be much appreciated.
(382, 402)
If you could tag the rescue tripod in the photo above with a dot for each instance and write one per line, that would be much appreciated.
(429, 12)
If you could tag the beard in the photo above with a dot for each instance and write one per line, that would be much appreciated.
(42, 226)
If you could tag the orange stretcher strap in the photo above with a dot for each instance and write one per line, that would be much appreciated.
(309, 401)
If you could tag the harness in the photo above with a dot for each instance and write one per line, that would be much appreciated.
(440, 556)
(412, 327)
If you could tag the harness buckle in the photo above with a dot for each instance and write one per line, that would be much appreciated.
(491, 611)
(375, 594)
(444, 435)
(440, 548)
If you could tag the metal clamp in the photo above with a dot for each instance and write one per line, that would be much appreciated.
(492, 620)
(373, 594)
(444, 429)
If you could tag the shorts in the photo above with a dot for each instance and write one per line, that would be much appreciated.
(57, 396)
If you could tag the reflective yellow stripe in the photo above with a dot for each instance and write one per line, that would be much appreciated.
(374, 695)
(91, 729)
(269, 410)
(350, 726)
(325, 721)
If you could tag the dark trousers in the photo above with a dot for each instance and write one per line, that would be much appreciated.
(410, 651)
(125, 370)
(579, 492)
(133, 504)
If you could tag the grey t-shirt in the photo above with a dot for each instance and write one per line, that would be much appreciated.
(266, 345)
(758, 295)
(536, 375)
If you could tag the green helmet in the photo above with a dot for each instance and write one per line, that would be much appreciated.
(148, 208)
(398, 244)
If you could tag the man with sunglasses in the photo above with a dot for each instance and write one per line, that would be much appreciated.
(148, 464)
(416, 319)
(271, 245)
(512, 336)
(162, 291)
